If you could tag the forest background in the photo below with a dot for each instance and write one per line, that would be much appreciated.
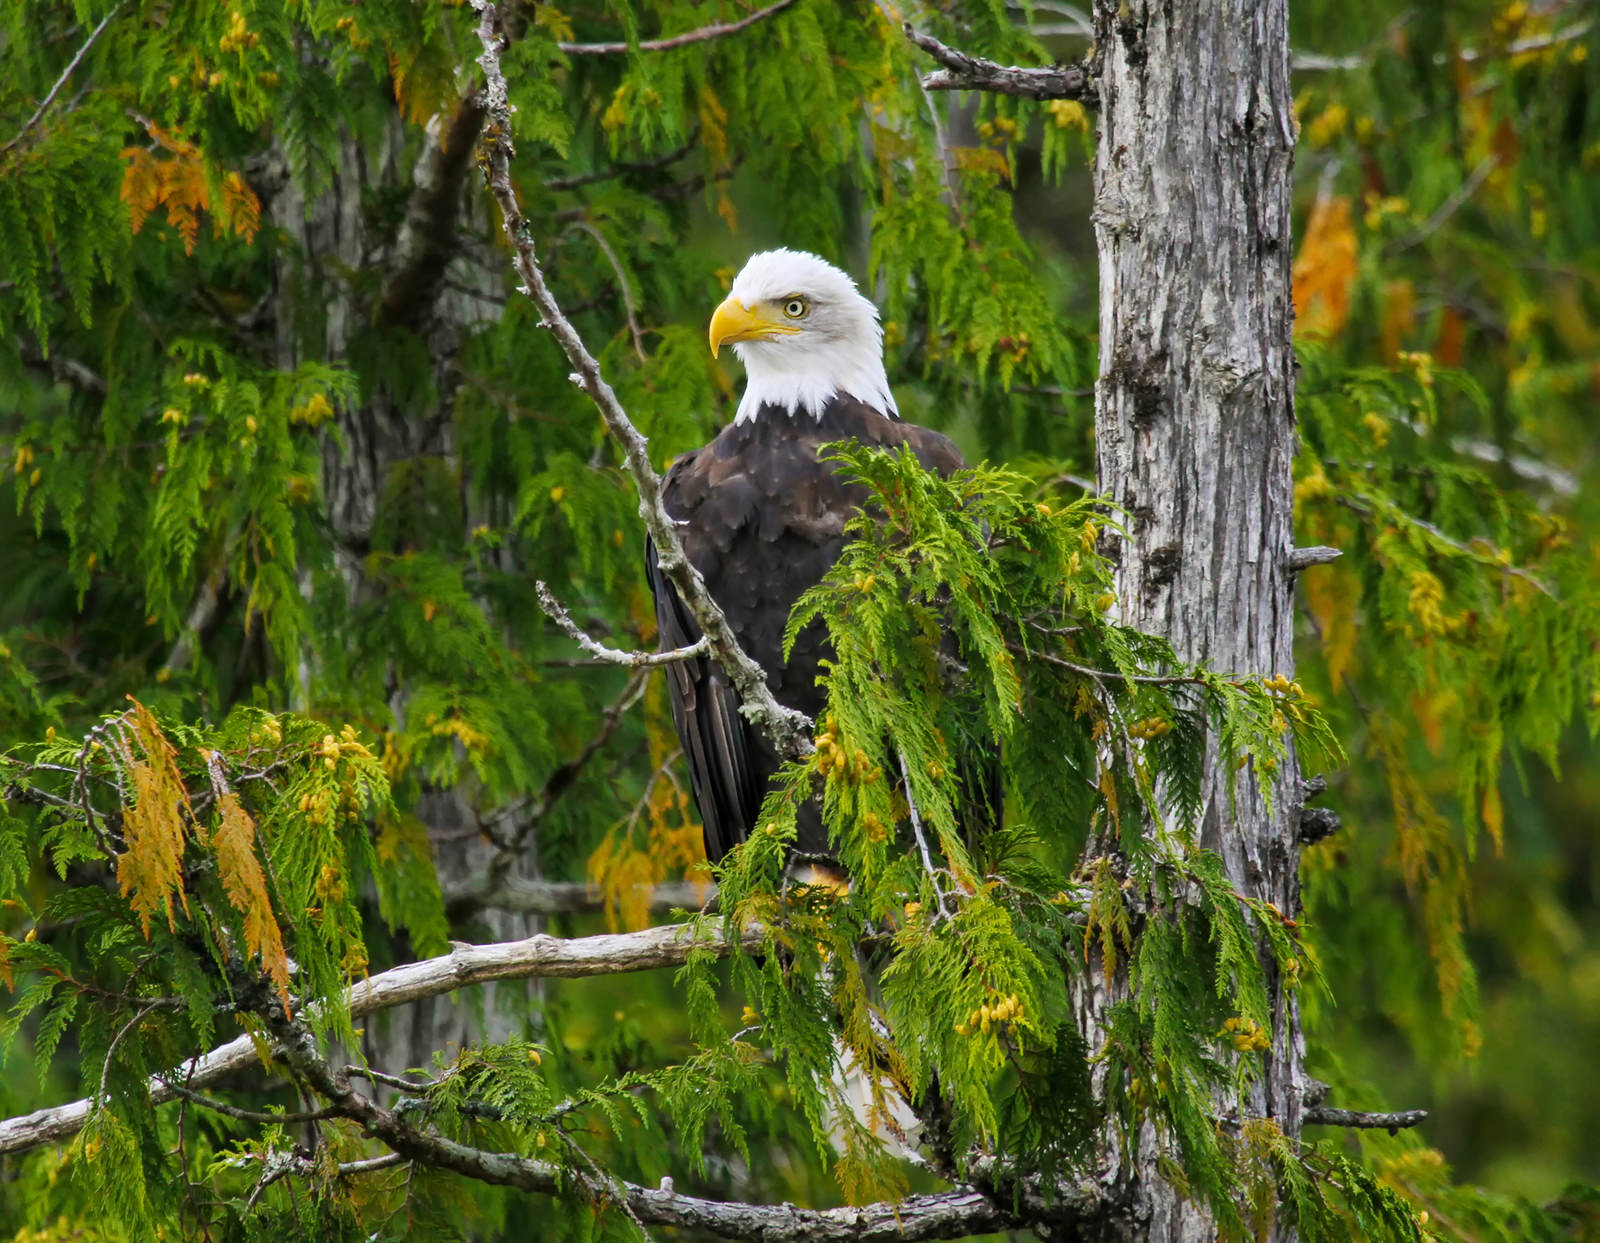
(281, 434)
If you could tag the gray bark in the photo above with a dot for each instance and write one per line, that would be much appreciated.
(1195, 428)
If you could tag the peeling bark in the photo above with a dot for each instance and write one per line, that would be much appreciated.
(1195, 428)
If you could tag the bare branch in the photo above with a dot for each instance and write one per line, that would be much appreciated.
(788, 731)
(623, 168)
(72, 65)
(250, 1115)
(1103, 675)
(1316, 554)
(944, 1216)
(465, 965)
(1327, 1115)
(949, 1215)
(945, 911)
(965, 72)
(715, 31)
(583, 226)
(1449, 207)
(612, 655)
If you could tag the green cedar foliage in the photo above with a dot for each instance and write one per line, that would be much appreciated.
(1448, 210)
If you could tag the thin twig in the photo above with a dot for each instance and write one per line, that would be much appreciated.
(466, 965)
(945, 1215)
(922, 842)
(560, 781)
(623, 168)
(1449, 207)
(1148, 679)
(66, 73)
(393, 1081)
(584, 226)
(714, 31)
(612, 655)
(1367, 506)
(250, 1115)
(139, 1017)
(369, 1165)
(788, 731)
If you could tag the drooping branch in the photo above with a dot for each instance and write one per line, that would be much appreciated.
(701, 35)
(1370, 507)
(788, 731)
(623, 168)
(965, 72)
(537, 956)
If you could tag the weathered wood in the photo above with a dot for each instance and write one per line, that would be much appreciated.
(536, 957)
(1195, 426)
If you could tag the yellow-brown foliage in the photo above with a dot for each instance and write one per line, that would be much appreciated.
(172, 174)
(246, 886)
(150, 870)
(1325, 270)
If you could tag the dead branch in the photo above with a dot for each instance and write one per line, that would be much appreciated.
(612, 655)
(948, 1215)
(1327, 1115)
(788, 731)
(965, 72)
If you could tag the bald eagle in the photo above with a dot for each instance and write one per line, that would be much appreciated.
(763, 519)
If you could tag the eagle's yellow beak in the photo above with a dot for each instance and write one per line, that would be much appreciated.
(734, 321)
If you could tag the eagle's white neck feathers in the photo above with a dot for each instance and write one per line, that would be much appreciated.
(838, 348)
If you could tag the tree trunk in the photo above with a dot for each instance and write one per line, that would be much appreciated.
(1195, 424)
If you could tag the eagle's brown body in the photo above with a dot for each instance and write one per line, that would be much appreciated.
(762, 520)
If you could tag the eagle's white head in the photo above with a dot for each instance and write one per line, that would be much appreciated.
(804, 332)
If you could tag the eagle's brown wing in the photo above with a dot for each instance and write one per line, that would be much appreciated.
(705, 709)
(762, 520)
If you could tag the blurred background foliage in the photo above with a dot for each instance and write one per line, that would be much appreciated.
(280, 433)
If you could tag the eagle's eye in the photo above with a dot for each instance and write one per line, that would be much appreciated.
(796, 307)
